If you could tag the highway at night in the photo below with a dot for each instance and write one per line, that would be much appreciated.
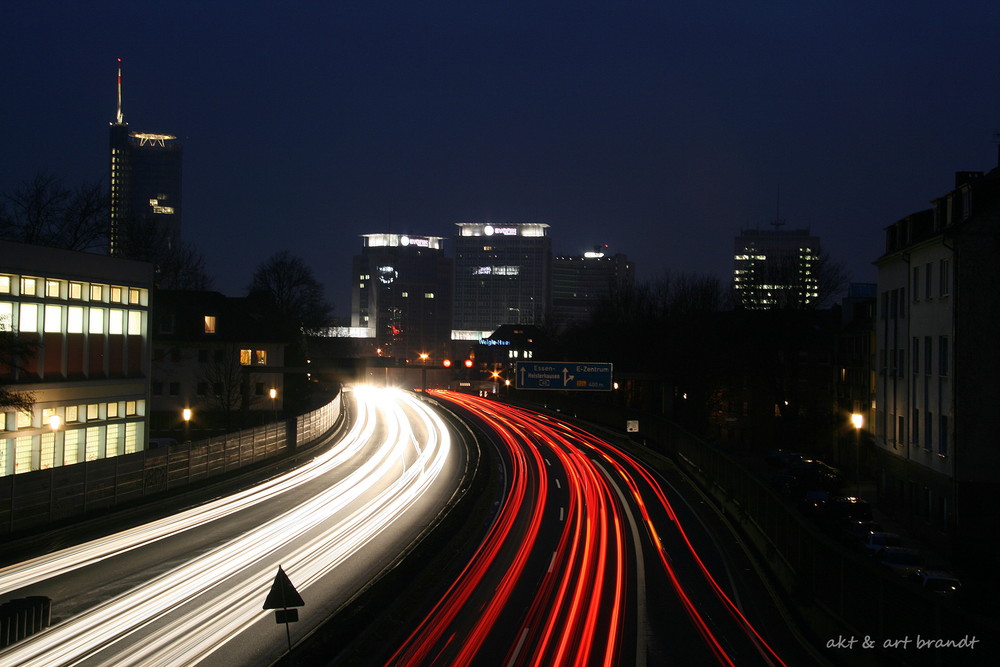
(592, 560)
(190, 588)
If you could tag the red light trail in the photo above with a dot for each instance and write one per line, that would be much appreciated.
(581, 603)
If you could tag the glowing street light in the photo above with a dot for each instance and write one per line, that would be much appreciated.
(55, 421)
(857, 421)
(186, 416)
(273, 393)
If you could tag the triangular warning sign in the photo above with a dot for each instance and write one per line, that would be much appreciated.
(283, 594)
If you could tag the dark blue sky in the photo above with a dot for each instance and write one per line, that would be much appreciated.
(660, 128)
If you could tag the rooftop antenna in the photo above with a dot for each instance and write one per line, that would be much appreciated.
(778, 222)
(119, 117)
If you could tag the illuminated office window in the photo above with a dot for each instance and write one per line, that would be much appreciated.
(131, 436)
(29, 287)
(93, 443)
(134, 323)
(93, 412)
(76, 290)
(4, 284)
(52, 289)
(24, 419)
(133, 296)
(74, 319)
(28, 320)
(116, 322)
(53, 319)
(97, 292)
(112, 410)
(116, 295)
(96, 321)
(71, 447)
(48, 451)
(72, 414)
(113, 441)
(6, 316)
(22, 454)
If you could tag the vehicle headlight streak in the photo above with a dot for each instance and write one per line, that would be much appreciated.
(218, 594)
(574, 617)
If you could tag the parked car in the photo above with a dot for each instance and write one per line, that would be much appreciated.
(808, 475)
(901, 560)
(854, 531)
(779, 458)
(877, 541)
(943, 583)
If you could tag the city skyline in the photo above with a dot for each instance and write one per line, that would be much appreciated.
(661, 131)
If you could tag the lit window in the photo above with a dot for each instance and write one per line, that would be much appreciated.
(29, 287)
(134, 323)
(133, 296)
(245, 357)
(76, 290)
(261, 357)
(53, 319)
(72, 413)
(74, 319)
(96, 293)
(130, 408)
(116, 322)
(52, 289)
(28, 320)
(404, 294)
(4, 284)
(24, 420)
(112, 410)
(210, 324)
(96, 321)
(93, 411)
(116, 294)
(428, 295)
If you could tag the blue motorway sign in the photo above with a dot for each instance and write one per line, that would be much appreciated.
(564, 375)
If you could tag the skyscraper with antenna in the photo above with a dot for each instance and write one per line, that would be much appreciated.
(145, 180)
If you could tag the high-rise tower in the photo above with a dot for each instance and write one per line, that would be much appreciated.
(776, 268)
(145, 203)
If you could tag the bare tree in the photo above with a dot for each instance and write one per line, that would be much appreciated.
(294, 290)
(228, 382)
(43, 211)
(177, 265)
(12, 353)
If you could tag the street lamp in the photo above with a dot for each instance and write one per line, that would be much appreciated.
(55, 421)
(273, 394)
(423, 371)
(186, 416)
(857, 421)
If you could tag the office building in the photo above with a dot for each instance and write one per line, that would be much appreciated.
(581, 283)
(86, 318)
(402, 295)
(145, 179)
(503, 275)
(776, 268)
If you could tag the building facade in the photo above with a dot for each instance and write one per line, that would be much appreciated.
(580, 284)
(218, 357)
(402, 295)
(86, 317)
(776, 268)
(936, 423)
(145, 182)
(503, 275)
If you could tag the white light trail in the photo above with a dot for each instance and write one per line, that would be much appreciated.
(205, 602)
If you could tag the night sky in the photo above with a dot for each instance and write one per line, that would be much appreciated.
(659, 128)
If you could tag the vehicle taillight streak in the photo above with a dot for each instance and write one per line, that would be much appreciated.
(581, 604)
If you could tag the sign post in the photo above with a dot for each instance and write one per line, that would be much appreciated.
(564, 375)
(282, 596)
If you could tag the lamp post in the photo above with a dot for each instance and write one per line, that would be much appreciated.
(857, 421)
(186, 416)
(273, 393)
(423, 371)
